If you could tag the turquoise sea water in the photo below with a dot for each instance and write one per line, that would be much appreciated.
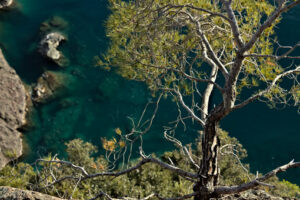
(95, 102)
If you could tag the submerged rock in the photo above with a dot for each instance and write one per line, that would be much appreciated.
(18, 194)
(55, 23)
(49, 44)
(5, 3)
(48, 86)
(12, 112)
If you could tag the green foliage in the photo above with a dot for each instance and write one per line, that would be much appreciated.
(283, 188)
(11, 154)
(18, 176)
(140, 183)
(156, 48)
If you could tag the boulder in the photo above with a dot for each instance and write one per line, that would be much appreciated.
(5, 3)
(10, 193)
(12, 112)
(49, 44)
(49, 85)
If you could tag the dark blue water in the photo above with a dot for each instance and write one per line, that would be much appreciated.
(95, 102)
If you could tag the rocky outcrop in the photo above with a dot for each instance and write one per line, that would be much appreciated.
(12, 112)
(9, 193)
(49, 44)
(49, 85)
(5, 3)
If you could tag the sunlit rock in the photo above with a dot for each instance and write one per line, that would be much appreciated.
(5, 3)
(49, 44)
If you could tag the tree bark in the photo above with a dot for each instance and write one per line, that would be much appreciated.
(209, 170)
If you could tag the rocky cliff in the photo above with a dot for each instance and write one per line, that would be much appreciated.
(12, 112)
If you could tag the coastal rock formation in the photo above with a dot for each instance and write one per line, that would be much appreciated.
(48, 86)
(5, 3)
(49, 45)
(18, 194)
(12, 112)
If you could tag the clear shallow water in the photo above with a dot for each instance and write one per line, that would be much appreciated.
(96, 102)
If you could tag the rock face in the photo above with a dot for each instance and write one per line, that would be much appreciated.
(49, 45)
(5, 3)
(9, 193)
(12, 112)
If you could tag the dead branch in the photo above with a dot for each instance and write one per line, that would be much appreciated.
(85, 175)
(141, 163)
(191, 112)
(255, 182)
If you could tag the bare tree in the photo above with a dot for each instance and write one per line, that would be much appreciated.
(188, 49)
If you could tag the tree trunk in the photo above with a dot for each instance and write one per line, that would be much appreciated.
(209, 171)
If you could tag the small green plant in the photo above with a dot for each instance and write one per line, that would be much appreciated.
(11, 154)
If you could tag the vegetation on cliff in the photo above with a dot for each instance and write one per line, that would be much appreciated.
(139, 184)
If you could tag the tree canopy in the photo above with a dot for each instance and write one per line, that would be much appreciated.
(170, 44)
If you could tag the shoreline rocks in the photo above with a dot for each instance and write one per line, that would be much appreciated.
(5, 3)
(12, 112)
(49, 44)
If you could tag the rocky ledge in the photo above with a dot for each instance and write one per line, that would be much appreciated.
(12, 112)
(10, 193)
(5, 3)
